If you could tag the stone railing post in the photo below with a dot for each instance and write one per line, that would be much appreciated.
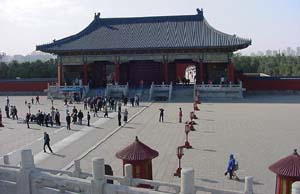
(296, 187)
(6, 159)
(98, 176)
(248, 185)
(170, 91)
(128, 175)
(187, 185)
(77, 170)
(151, 91)
(27, 165)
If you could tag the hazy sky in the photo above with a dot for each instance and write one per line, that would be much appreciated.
(273, 24)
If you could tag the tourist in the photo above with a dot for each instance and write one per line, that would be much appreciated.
(95, 111)
(105, 111)
(161, 115)
(25, 102)
(57, 118)
(125, 115)
(7, 111)
(1, 124)
(68, 119)
(230, 167)
(119, 106)
(137, 100)
(32, 100)
(180, 115)
(7, 101)
(15, 112)
(46, 117)
(119, 118)
(132, 101)
(80, 116)
(88, 118)
(47, 142)
(85, 104)
(37, 98)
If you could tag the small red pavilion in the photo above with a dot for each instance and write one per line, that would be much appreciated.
(140, 157)
(288, 171)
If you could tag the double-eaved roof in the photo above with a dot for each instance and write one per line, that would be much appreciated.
(147, 33)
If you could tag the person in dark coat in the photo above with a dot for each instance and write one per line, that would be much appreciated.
(125, 115)
(27, 120)
(161, 115)
(180, 115)
(46, 119)
(80, 116)
(119, 117)
(47, 142)
(68, 119)
(7, 111)
(132, 101)
(88, 118)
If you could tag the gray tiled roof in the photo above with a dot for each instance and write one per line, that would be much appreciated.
(164, 32)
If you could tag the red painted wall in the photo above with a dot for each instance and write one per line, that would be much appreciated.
(266, 84)
(23, 86)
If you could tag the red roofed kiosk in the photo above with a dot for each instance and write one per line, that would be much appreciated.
(288, 171)
(139, 156)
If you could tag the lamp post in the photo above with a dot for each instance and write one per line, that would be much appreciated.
(187, 129)
(179, 156)
(29, 106)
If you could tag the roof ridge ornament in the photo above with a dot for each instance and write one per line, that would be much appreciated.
(295, 152)
(97, 15)
(200, 12)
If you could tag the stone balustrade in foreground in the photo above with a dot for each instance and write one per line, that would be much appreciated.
(27, 179)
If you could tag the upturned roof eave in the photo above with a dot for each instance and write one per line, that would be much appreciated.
(231, 48)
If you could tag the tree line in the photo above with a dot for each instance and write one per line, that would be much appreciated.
(36, 69)
(278, 65)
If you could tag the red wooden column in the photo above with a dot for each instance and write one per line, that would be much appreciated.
(85, 74)
(230, 70)
(59, 74)
(117, 72)
(166, 73)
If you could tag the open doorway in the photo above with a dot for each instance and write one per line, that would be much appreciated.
(190, 74)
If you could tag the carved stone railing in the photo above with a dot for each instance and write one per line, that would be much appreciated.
(27, 179)
(116, 88)
(168, 88)
(219, 90)
(56, 92)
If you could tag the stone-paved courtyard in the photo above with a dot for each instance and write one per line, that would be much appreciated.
(259, 130)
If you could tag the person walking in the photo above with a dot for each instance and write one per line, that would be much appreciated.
(80, 116)
(119, 117)
(68, 119)
(27, 120)
(47, 142)
(37, 98)
(161, 115)
(7, 111)
(88, 118)
(180, 115)
(125, 115)
(230, 167)
(106, 111)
